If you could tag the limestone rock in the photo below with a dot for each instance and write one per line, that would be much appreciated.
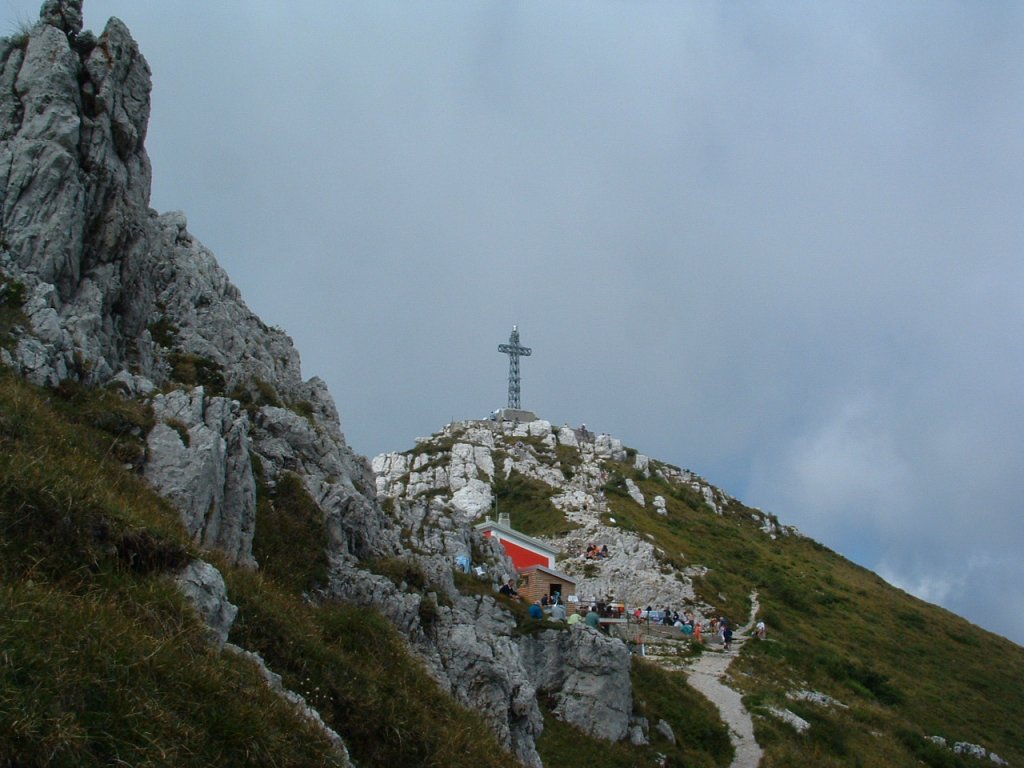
(468, 648)
(587, 674)
(63, 14)
(473, 499)
(203, 585)
(635, 493)
(198, 457)
(790, 718)
(666, 730)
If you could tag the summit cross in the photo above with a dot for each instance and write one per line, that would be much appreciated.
(514, 350)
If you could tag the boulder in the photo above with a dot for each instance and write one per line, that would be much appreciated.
(587, 675)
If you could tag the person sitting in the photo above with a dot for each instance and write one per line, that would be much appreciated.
(509, 589)
(536, 612)
(558, 612)
(574, 619)
(604, 551)
(593, 619)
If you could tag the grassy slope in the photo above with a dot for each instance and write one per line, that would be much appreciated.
(907, 669)
(102, 661)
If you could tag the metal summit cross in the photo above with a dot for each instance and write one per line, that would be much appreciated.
(514, 350)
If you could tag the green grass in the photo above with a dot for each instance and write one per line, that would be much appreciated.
(196, 370)
(103, 662)
(291, 538)
(903, 666)
(12, 298)
(352, 665)
(528, 503)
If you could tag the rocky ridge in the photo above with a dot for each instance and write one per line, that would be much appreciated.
(117, 295)
(452, 475)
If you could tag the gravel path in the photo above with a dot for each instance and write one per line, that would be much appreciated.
(706, 673)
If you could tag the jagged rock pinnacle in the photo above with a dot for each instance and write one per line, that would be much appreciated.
(66, 15)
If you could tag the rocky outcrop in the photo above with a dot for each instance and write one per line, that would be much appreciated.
(118, 293)
(586, 674)
(198, 457)
(455, 470)
(203, 585)
(467, 645)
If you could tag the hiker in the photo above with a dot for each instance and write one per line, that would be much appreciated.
(593, 619)
(558, 612)
(574, 620)
(760, 630)
(536, 612)
(509, 589)
(697, 631)
(543, 601)
(727, 637)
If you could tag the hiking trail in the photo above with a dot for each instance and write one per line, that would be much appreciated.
(706, 674)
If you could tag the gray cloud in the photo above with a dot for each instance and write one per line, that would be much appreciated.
(777, 244)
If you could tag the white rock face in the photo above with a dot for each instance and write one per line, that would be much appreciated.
(790, 718)
(114, 287)
(634, 572)
(473, 499)
(587, 673)
(635, 493)
(207, 474)
(203, 585)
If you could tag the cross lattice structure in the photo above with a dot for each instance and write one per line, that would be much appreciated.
(514, 350)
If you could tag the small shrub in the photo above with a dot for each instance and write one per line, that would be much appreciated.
(196, 370)
(291, 535)
(164, 332)
(400, 570)
(427, 610)
(12, 299)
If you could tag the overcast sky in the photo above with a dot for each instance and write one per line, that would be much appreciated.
(779, 244)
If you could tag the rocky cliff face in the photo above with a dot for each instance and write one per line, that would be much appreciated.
(117, 295)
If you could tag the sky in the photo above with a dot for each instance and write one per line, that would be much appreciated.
(779, 244)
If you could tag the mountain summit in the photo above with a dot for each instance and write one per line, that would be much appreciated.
(198, 570)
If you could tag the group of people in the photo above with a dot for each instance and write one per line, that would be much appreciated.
(595, 552)
(551, 606)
